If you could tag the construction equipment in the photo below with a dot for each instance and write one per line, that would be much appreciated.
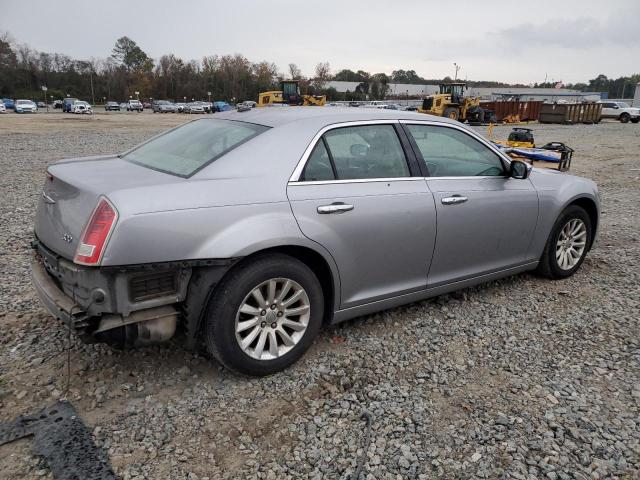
(520, 145)
(289, 94)
(451, 102)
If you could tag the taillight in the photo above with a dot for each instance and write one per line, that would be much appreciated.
(96, 234)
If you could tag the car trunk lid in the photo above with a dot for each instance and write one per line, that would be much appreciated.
(72, 191)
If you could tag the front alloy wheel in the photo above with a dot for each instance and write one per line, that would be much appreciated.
(571, 244)
(567, 245)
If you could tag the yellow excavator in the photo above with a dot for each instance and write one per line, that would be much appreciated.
(289, 94)
(451, 102)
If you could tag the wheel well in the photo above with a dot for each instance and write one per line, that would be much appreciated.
(589, 206)
(317, 264)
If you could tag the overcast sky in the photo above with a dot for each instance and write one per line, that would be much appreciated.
(510, 41)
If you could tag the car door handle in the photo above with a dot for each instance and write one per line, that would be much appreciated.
(334, 208)
(454, 200)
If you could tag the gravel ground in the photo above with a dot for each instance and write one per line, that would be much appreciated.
(519, 378)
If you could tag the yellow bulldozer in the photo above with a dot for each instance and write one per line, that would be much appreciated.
(451, 102)
(289, 94)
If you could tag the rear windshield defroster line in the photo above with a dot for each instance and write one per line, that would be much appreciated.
(185, 150)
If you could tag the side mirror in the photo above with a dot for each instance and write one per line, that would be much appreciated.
(616, 107)
(518, 169)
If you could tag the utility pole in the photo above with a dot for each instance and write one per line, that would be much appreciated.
(44, 89)
(93, 98)
(457, 67)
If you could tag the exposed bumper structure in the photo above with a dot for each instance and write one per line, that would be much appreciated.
(125, 307)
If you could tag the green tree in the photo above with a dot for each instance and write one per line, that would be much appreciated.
(130, 55)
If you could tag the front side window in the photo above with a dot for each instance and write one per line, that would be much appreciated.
(448, 152)
(189, 148)
(367, 151)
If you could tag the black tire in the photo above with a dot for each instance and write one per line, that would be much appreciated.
(452, 113)
(220, 318)
(635, 120)
(548, 265)
(625, 117)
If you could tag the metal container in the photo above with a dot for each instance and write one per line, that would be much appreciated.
(569, 113)
(524, 110)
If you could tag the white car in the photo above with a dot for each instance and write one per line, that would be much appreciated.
(134, 105)
(375, 104)
(620, 111)
(194, 107)
(25, 106)
(3, 109)
(80, 106)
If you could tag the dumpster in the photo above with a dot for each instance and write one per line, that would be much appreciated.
(523, 110)
(569, 113)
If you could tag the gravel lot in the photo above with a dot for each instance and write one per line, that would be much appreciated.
(519, 378)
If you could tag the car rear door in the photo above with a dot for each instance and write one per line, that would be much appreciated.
(485, 219)
(358, 194)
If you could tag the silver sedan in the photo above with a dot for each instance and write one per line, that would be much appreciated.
(243, 234)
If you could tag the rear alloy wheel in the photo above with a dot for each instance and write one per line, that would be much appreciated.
(264, 315)
(272, 318)
(625, 117)
(567, 245)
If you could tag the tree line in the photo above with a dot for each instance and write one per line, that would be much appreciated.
(24, 71)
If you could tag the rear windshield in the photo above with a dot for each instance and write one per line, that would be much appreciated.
(191, 147)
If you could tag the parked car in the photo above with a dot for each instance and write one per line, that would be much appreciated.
(163, 106)
(194, 107)
(410, 108)
(134, 105)
(180, 107)
(146, 105)
(80, 106)
(392, 106)
(354, 104)
(215, 229)
(112, 106)
(123, 106)
(621, 111)
(25, 106)
(3, 109)
(222, 106)
(247, 104)
(67, 104)
(41, 104)
(57, 104)
(9, 103)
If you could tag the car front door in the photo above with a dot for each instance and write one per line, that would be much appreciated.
(608, 110)
(358, 194)
(485, 220)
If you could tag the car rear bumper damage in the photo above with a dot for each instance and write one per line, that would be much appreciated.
(130, 305)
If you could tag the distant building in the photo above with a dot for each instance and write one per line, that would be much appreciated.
(400, 90)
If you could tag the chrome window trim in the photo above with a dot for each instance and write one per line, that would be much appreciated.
(357, 180)
(469, 132)
(297, 172)
(468, 177)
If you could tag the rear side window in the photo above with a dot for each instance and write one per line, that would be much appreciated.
(193, 146)
(362, 152)
(318, 166)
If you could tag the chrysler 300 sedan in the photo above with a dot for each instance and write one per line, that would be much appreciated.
(244, 234)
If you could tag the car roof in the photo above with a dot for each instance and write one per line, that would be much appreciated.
(278, 116)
